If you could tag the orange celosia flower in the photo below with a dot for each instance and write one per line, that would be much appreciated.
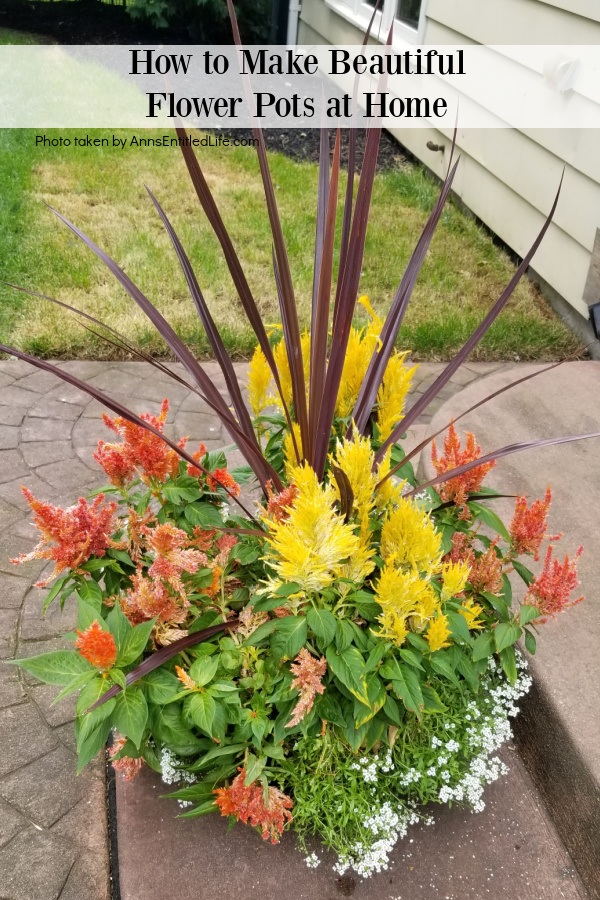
(185, 679)
(279, 505)
(145, 450)
(222, 478)
(225, 545)
(198, 455)
(309, 673)
(458, 488)
(203, 538)
(116, 462)
(486, 571)
(97, 646)
(129, 766)
(551, 590)
(528, 527)
(248, 805)
(78, 532)
(215, 586)
(462, 551)
(150, 599)
(169, 543)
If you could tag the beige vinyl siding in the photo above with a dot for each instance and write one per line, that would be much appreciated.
(509, 177)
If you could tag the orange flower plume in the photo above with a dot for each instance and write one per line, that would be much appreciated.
(70, 536)
(97, 646)
(128, 766)
(248, 805)
(198, 455)
(222, 478)
(551, 590)
(309, 673)
(279, 504)
(171, 557)
(457, 489)
(528, 527)
(141, 449)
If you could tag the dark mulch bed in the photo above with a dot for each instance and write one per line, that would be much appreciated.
(302, 144)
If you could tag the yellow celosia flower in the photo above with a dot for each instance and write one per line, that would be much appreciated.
(390, 492)
(438, 633)
(471, 610)
(356, 361)
(289, 451)
(313, 541)
(355, 459)
(393, 627)
(409, 536)
(358, 567)
(281, 361)
(392, 393)
(454, 578)
(259, 379)
(426, 607)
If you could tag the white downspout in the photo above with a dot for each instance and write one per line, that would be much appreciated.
(293, 17)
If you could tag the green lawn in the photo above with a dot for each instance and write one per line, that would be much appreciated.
(102, 191)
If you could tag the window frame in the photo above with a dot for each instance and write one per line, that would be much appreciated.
(359, 13)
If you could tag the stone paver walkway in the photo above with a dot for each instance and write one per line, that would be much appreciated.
(53, 829)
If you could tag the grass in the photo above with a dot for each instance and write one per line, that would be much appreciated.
(102, 191)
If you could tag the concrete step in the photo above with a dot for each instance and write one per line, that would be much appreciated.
(510, 850)
(558, 733)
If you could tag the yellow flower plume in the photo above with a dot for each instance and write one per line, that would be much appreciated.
(259, 379)
(454, 578)
(309, 546)
(471, 611)
(409, 536)
(392, 394)
(438, 633)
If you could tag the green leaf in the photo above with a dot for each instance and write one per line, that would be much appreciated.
(90, 593)
(323, 624)
(209, 806)
(523, 571)
(344, 635)
(328, 708)
(467, 670)
(204, 670)
(349, 668)
(490, 519)
(290, 637)
(92, 691)
(168, 726)
(431, 700)
(376, 655)
(286, 590)
(530, 642)
(412, 657)
(201, 708)
(418, 642)
(204, 515)
(134, 643)
(254, 768)
(408, 688)
(92, 744)
(59, 667)
(506, 634)
(86, 614)
(394, 712)
(365, 604)
(528, 613)
(440, 663)
(118, 677)
(161, 686)
(216, 753)
(509, 663)
(54, 592)
(118, 624)
(265, 603)
(262, 632)
(89, 722)
(177, 493)
(458, 627)
(483, 646)
(131, 714)
(246, 554)
(123, 557)
(500, 605)
(76, 684)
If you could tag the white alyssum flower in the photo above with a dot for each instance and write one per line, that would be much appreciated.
(170, 772)
(312, 860)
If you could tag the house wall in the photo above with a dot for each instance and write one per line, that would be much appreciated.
(508, 177)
